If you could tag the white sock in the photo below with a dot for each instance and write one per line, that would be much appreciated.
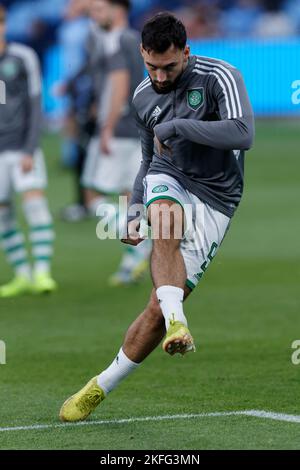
(134, 255)
(120, 368)
(171, 301)
(95, 203)
(144, 249)
(42, 234)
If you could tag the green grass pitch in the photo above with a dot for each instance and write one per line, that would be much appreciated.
(244, 317)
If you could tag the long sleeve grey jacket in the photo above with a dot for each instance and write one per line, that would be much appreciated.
(20, 117)
(208, 123)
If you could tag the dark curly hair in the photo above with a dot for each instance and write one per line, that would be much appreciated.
(162, 31)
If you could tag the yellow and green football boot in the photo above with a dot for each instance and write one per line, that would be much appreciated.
(43, 283)
(79, 406)
(125, 277)
(18, 286)
(178, 339)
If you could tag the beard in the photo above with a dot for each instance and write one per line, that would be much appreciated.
(165, 89)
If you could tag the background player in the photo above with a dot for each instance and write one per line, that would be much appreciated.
(22, 169)
(114, 153)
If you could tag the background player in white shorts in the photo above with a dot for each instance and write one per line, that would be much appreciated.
(114, 153)
(22, 170)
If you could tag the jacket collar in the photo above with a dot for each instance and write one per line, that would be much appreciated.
(184, 78)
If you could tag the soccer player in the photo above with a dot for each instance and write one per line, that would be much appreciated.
(22, 170)
(114, 152)
(195, 121)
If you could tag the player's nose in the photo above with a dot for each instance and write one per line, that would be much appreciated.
(161, 76)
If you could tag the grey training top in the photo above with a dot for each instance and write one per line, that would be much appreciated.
(20, 116)
(110, 51)
(207, 121)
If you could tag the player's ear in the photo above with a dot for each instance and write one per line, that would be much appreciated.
(186, 53)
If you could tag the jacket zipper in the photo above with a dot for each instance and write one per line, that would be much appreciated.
(174, 104)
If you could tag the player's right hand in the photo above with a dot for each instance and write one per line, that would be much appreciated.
(161, 148)
(133, 235)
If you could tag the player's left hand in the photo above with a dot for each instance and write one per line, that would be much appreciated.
(161, 148)
(27, 163)
(133, 236)
(105, 141)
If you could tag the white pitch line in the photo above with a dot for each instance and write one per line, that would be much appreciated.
(252, 413)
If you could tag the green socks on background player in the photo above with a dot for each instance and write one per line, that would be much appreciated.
(41, 238)
(41, 235)
(13, 242)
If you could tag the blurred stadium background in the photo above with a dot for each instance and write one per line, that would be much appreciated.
(261, 37)
(244, 316)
